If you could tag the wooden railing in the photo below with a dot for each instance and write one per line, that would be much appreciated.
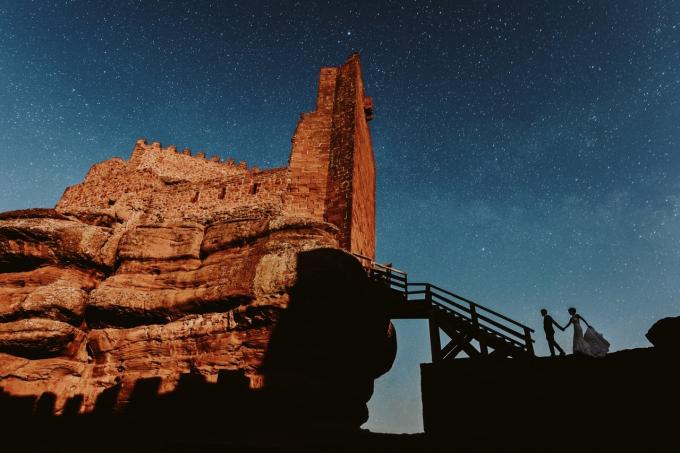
(385, 273)
(480, 318)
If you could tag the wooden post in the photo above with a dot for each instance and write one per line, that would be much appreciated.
(473, 317)
(528, 341)
(435, 340)
(475, 322)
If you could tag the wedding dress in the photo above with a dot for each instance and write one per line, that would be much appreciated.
(596, 342)
(580, 344)
(592, 343)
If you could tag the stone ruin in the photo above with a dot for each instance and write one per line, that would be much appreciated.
(167, 265)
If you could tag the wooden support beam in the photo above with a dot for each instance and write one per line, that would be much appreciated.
(529, 342)
(501, 352)
(470, 350)
(435, 340)
(451, 350)
(460, 341)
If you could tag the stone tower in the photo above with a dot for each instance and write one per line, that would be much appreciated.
(331, 164)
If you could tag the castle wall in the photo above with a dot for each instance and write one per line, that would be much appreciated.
(158, 184)
(172, 165)
(362, 230)
(310, 153)
(252, 194)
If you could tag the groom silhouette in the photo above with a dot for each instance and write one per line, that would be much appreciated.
(548, 323)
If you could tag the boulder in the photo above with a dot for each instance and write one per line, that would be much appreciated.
(665, 334)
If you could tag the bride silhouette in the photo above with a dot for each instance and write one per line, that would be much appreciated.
(592, 343)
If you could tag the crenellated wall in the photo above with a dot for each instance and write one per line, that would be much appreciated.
(171, 165)
(160, 184)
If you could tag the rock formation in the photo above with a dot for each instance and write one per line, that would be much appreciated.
(169, 264)
(665, 334)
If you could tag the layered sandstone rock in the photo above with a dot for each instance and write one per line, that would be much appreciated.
(169, 264)
(175, 298)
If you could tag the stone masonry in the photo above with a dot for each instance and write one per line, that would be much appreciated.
(331, 165)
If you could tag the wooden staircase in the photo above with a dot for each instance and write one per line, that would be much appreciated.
(471, 328)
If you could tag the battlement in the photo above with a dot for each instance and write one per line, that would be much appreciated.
(330, 175)
(190, 166)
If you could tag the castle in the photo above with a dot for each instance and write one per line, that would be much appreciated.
(167, 267)
(330, 176)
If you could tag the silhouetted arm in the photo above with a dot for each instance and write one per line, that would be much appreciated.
(567, 325)
(558, 326)
(583, 319)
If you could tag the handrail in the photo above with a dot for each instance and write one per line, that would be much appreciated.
(510, 339)
(373, 263)
(479, 318)
(450, 302)
(500, 326)
(495, 313)
(392, 275)
(473, 314)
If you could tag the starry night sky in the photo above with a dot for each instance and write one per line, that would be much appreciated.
(528, 153)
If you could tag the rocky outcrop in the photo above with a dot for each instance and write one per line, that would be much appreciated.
(624, 401)
(665, 334)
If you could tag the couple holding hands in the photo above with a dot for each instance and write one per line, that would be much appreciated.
(591, 343)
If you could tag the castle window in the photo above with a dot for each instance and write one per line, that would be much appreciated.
(223, 193)
(253, 189)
